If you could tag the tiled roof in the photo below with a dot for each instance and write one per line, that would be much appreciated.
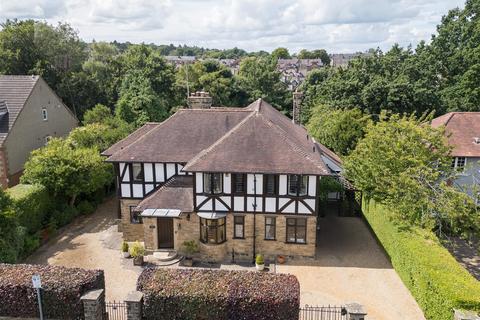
(177, 193)
(14, 92)
(257, 138)
(461, 128)
(140, 132)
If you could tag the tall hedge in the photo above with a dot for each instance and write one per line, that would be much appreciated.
(435, 279)
(31, 204)
(218, 294)
(62, 289)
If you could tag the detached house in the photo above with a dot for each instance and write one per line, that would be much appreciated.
(240, 181)
(463, 132)
(30, 114)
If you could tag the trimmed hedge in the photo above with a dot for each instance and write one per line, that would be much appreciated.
(62, 289)
(218, 294)
(435, 279)
(31, 204)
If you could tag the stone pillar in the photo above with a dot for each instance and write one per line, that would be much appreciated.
(94, 304)
(465, 315)
(297, 107)
(200, 100)
(355, 311)
(134, 304)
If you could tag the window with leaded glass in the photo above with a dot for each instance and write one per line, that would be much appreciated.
(212, 183)
(297, 185)
(270, 232)
(297, 230)
(239, 227)
(239, 185)
(137, 172)
(212, 231)
(270, 184)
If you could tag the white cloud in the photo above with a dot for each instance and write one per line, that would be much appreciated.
(336, 25)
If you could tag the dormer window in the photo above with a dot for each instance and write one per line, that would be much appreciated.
(137, 172)
(212, 183)
(44, 114)
(297, 185)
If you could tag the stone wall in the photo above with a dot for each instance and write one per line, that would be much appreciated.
(190, 230)
(131, 231)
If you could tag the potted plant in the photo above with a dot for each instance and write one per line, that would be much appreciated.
(190, 247)
(137, 251)
(259, 262)
(125, 252)
(281, 259)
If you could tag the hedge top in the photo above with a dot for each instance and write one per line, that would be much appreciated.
(53, 277)
(23, 190)
(220, 284)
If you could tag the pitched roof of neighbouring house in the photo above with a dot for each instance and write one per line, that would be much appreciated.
(257, 138)
(14, 92)
(462, 128)
(177, 193)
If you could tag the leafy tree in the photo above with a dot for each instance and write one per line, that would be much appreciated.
(138, 102)
(403, 162)
(259, 78)
(98, 114)
(67, 171)
(338, 129)
(315, 54)
(281, 53)
(97, 135)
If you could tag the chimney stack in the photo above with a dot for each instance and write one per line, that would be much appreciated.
(200, 100)
(297, 107)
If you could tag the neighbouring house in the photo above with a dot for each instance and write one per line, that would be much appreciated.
(294, 71)
(30, 114)
(463, 132)
(240, 181)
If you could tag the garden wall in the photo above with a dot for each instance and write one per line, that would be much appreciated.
(218, 294)
(61, 290)
(433, 276)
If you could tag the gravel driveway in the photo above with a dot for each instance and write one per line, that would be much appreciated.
(351, 267)
(92, 242)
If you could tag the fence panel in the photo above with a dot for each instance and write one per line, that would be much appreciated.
(323, 313)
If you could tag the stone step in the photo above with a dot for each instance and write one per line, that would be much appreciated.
(165, 256)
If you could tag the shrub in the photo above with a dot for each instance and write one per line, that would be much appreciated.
(190, 247)
(85, 207)
(63, 216)
(259, 259)
(433, 276)
(61, 290)
(31, 204)
(137, 250)
(11, 233)
(218, 294)
(124, 246)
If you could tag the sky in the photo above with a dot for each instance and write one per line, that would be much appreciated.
(335, 25)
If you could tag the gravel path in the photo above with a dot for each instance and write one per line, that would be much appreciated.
(351, 267)
(92, 242)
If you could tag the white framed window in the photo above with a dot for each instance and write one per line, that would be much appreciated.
(297, 185)
(459, 163)
(137, 172)
(47, 139)
(44, 114)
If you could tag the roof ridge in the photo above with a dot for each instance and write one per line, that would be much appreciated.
(206, 151)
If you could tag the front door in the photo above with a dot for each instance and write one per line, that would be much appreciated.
(165, 233)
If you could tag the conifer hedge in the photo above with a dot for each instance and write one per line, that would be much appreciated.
(218, 294)
(436, 280)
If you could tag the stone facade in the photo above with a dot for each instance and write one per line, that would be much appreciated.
(131, 231)
(3, 169)
(187, 227)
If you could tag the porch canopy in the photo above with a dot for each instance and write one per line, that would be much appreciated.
(160, 213)
(212, 215)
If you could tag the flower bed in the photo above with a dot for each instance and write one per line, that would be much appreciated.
(61, 290)
(218, 294)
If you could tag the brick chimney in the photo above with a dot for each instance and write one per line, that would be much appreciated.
(297, 107)
(200, 100)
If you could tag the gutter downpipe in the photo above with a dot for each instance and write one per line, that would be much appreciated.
(254, 214)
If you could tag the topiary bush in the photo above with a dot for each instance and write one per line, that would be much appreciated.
(31, 203)
(61, 290)
(436, 280)
(218, 294)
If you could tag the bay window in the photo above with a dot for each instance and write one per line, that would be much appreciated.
(212, 231)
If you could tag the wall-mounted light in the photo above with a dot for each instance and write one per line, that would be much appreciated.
(188, 216)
